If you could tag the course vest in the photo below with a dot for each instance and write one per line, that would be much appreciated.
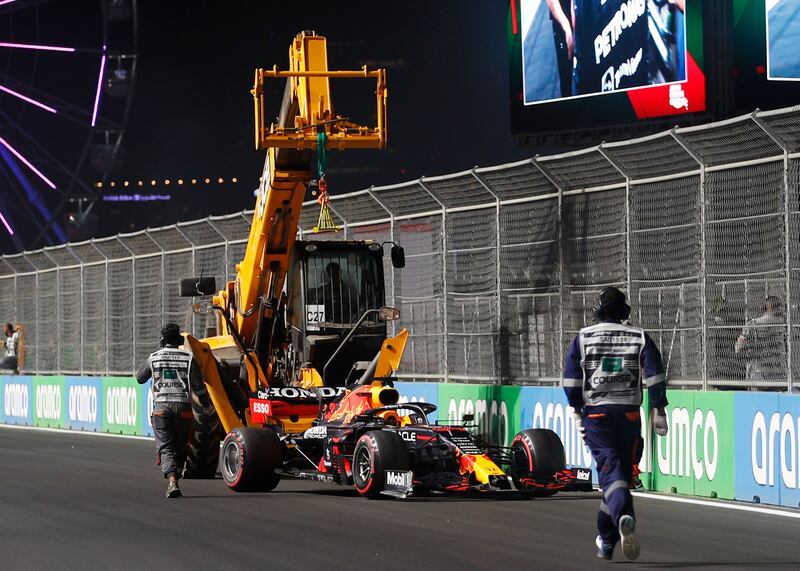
(611, 361)
(170, 367)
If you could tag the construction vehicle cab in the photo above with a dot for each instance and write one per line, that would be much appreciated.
(332, 285)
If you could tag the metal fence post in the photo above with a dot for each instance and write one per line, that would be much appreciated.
(194, 270)
(163, 278)
(444, 278)
(703, 293)
(58, 309)
(105, 309)
(498, 242)
(133, 298)
(614, 164)
(787, 251)
(535, 163)
(392, 238)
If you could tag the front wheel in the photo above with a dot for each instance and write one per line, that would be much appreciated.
(250, 458)
(202, 450)
(536, 456)
(376, 452)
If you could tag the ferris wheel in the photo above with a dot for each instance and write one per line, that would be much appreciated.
(67, 76)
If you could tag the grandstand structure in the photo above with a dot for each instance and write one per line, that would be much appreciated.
(699, 225)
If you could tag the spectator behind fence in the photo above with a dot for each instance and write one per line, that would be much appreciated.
(10, 359)
(763, 344)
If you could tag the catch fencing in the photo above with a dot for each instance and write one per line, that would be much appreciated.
(698, 225)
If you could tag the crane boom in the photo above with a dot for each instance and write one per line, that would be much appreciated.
(306, 118)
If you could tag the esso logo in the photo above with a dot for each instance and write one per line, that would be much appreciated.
(261, 407)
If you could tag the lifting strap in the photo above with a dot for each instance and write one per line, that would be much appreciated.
(325, 222)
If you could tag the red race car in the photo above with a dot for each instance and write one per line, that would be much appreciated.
(390, 449)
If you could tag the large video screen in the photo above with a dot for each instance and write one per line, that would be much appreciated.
(583, 63)
(783, 39)
(766, 54)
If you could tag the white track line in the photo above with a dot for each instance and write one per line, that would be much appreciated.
(81, 432)
(724, 504)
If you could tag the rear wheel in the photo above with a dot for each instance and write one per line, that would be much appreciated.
(250, 458)
(376, 452)
(536, 454)
(202, 451)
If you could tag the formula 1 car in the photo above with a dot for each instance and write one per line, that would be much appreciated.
(367, 439)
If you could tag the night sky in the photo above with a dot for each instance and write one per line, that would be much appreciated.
(191, 114)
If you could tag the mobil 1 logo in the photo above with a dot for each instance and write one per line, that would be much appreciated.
(397, 482)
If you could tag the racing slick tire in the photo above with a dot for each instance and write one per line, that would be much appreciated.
(536, 453)
(250, 458)
(202, 450)
(376, 452)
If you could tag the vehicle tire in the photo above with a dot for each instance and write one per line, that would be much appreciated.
(202, 450)
(250, 459)
(536, 453)
(376, 452)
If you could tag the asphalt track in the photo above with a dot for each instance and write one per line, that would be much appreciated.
(73, 501)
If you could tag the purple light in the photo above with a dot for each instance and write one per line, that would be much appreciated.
(36, 47)
(99, 85)
(27, 163)
(28, 99)
(6, 224)
(1, 3)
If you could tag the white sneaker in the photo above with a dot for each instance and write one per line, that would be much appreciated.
(627, 530)
(604, 551)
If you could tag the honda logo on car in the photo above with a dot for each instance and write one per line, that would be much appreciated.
(122, 404)
(775, 441)
(299, 393)
(48, 402)
(397, 478)
(82, 403)
(15, 400)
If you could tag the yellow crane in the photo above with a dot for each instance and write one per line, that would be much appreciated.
(300, 314)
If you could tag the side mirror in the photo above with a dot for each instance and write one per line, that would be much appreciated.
(468, 417)
(203, 308)
(398, 256)
(193, 287)
(389, 313)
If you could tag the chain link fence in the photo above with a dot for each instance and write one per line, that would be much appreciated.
(698, 225)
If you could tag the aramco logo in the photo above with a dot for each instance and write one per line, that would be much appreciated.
(774, 442)
(15, 400)
(691, 447)
(121, 403)
(48, 402)
(82, 403)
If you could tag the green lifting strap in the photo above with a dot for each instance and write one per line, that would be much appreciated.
(322, 153)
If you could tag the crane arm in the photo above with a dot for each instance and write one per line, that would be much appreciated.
(306, 111)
